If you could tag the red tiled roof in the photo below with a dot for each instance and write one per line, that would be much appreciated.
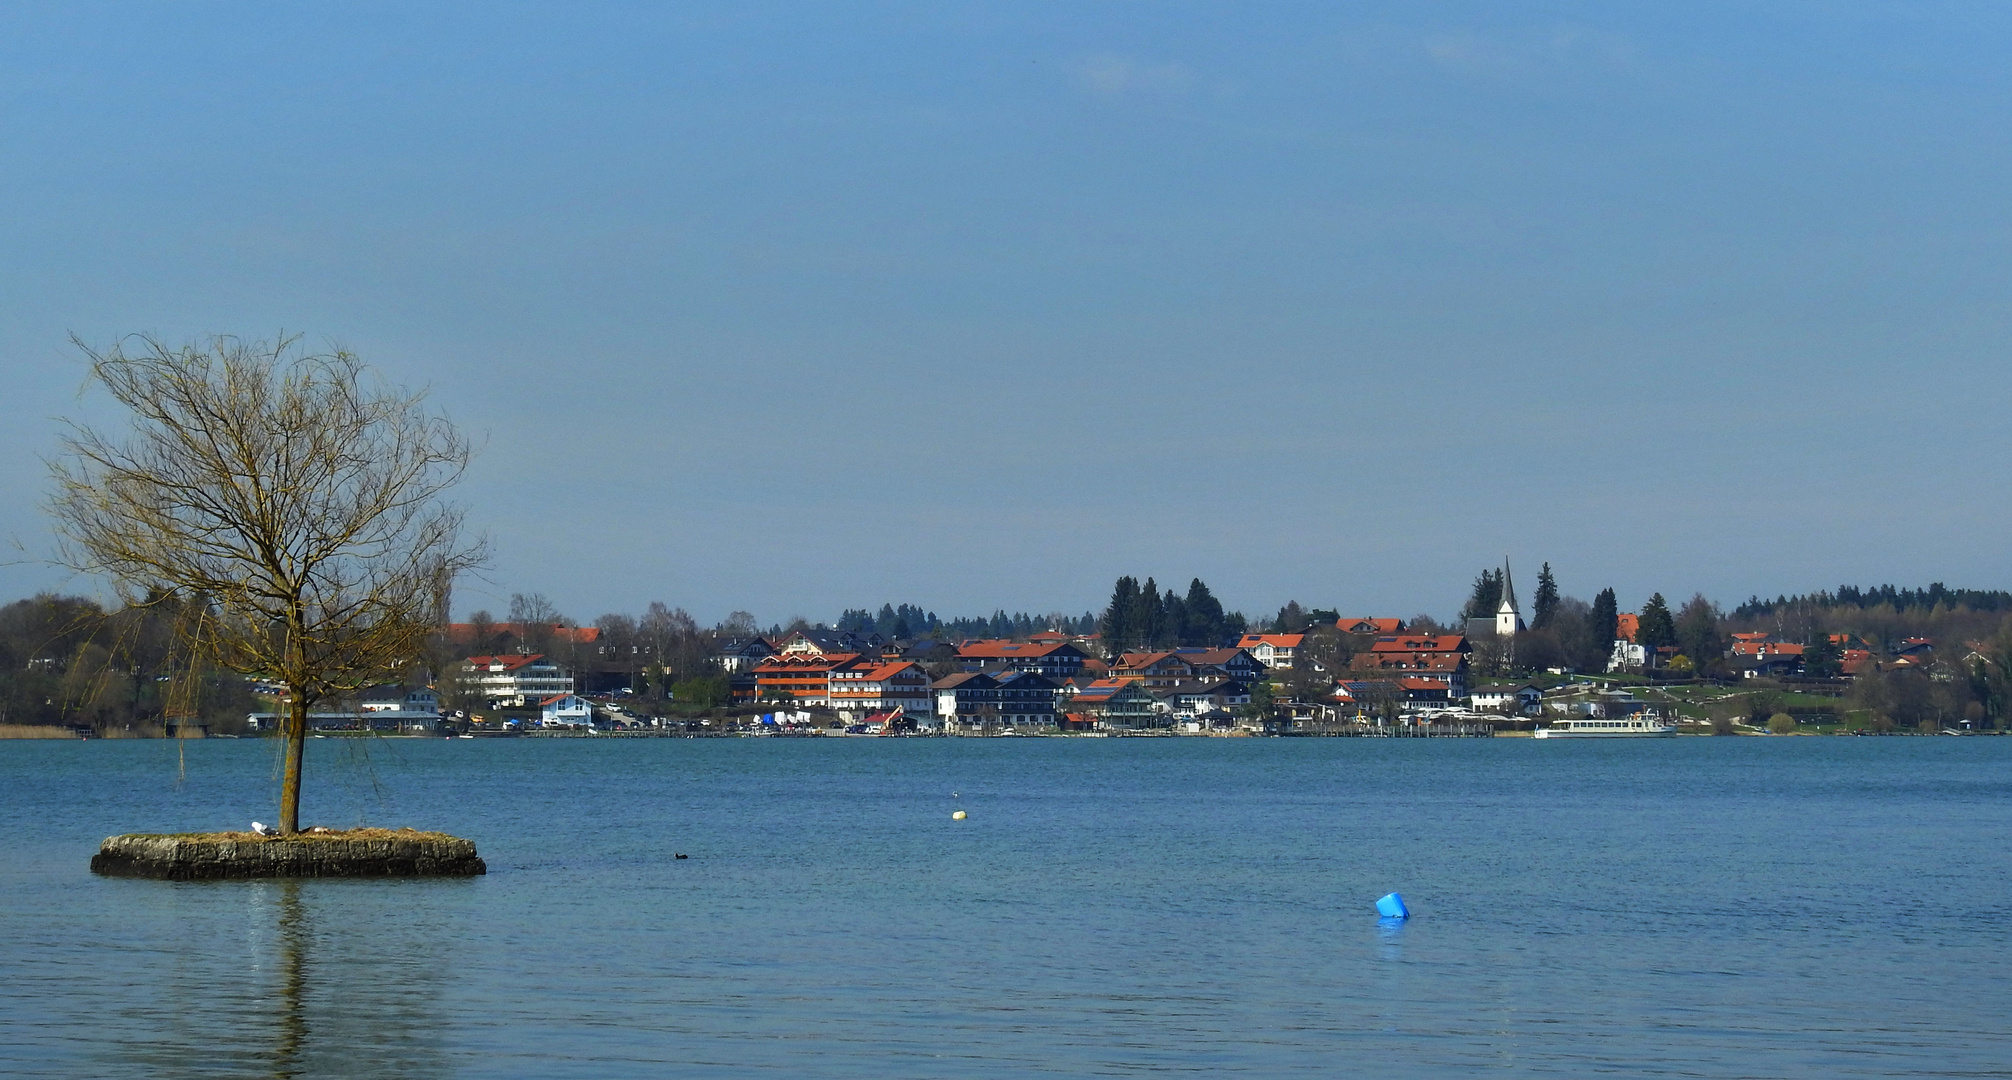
(888, 671)
(1434, 662)
(1276, 641)
(805, 662)
(1134, 661)
(1766, 648)
(1625, 625)
(509, 661)
(1369, 626)
(1005, 649)
(1419, 643)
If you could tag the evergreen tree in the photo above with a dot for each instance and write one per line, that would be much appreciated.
(1486, 597)
(1292, 619)
(1204, 617)
(1605, 621)
(1173, 620)
(1821, 657)
(1544, 606)
(1119, 618)
(1656, 628)
(1149, 627)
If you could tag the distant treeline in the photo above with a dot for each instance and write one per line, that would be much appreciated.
(1138, 615)
(67, 660)
(907, 621)
(1851, 596)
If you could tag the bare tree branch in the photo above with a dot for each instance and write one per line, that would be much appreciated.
(297, 500)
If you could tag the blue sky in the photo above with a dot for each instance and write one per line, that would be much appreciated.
(794, 307)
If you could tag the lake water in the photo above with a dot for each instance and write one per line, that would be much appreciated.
(1695, 907)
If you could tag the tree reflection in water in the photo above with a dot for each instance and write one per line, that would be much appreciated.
(284, 978)
(292, 970)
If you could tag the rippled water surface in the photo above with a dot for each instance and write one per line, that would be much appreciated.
(1690, 907)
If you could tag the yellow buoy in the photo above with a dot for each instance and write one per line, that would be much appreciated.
(957, 815)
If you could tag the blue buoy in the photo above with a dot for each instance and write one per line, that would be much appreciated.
(1392, 907)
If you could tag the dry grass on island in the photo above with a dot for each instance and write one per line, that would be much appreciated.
(315, 833)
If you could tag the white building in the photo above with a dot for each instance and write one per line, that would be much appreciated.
(1272, 650)
(515, 681)
(1508, 697)
(855, 691)
(1627, 656)
(565, 711)
(410, 699)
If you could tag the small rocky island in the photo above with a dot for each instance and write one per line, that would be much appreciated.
(316, 853)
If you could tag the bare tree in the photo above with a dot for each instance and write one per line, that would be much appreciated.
(296, 502)
(535, 618)
(481, 634)
(739, 624)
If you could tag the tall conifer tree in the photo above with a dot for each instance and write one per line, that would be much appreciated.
(1204, 617)
(1545, 604)
(1151, 619)
(1485, 598)
(1119, 619)
(1605, 621)
(1656, 628)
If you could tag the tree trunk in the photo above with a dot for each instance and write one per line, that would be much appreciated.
(296, 748)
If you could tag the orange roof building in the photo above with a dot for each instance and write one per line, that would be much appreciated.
(881, 687)
(1060, 659)
(802, 677)
(1272, 650)
(1422, 643)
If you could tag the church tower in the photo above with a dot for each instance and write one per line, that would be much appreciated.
(1508, 620)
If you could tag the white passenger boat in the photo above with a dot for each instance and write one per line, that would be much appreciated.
(1594, 727)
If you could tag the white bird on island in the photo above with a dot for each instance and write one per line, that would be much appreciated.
(263, 829)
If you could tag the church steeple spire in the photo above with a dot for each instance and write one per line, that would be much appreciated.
(1508, 619)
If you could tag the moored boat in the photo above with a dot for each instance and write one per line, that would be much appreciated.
(1594, 727)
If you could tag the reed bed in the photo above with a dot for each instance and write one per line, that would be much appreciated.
(35, 731)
